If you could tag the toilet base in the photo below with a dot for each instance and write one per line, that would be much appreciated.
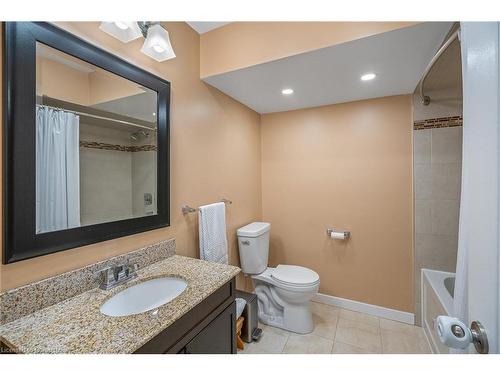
(299, 321)
(275, 312)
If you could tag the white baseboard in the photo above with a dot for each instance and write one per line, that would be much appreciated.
(381, 312)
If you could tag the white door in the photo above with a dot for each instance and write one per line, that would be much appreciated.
(477, 292)
(481, 72)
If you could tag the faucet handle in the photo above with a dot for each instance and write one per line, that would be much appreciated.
(105, 274)
(131, 268)
(125, 269)
(131, 264)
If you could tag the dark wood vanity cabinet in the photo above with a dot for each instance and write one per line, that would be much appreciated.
(208, 328)
(217, 337)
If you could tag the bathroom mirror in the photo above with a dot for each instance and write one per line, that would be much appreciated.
(86, 143)
(95, 144)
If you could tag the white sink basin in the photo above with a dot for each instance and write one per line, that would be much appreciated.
(144, 296)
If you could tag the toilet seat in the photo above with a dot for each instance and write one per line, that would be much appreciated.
(295, 276)
(292, 278)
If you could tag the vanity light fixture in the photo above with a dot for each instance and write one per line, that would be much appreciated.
(121, 25)
(287, 91)
(368, 76)
(157, 42)
(124, 31)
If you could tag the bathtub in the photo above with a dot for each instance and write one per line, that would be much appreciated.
(437, 299)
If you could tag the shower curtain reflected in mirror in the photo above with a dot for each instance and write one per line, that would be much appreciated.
(57, 170)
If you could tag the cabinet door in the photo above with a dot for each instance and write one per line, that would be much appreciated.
(219, 337)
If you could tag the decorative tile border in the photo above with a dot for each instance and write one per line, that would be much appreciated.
(112, 147)
(440, 122)
(22, 301)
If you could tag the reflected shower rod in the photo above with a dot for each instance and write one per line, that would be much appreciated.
(97, 117)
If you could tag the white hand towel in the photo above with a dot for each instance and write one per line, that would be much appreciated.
(212, 228)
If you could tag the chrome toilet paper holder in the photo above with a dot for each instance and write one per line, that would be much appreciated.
(347, 234)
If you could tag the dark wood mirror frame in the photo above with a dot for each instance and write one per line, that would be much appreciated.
(20, 240)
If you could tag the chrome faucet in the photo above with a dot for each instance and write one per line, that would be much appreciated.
(113, 276)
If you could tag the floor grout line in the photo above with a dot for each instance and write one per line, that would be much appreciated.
(336, 330)
(381, 342)
(327, 314)
(286, 342)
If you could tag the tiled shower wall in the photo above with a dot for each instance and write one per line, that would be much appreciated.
(437, 182)
(109, 157)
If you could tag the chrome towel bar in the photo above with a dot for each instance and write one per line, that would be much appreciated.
(188, 209)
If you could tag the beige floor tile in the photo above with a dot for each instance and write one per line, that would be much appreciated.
(254, 348)
(343, 348)
(359, 317)
(273, 341)
(324, 310)
(307, 344)
(325, 325)
(399, 343)
(408, 329)
(359, 334)
(277, 331)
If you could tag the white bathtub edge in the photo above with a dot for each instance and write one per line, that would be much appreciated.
(436, 279)
(379, 311)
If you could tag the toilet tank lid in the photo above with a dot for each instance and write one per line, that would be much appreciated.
(253, 229)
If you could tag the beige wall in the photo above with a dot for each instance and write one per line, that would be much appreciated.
(104, 87)
(62, 82)
(346, 166)
(242, 44)
(215, 148)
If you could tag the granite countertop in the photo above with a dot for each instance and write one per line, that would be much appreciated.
(76, 325)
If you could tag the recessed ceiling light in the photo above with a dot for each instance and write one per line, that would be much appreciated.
(287, 91)
(368, 76)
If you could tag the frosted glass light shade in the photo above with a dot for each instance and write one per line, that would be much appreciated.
(124, 31)
(157, 44)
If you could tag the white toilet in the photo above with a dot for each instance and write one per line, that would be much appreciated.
(284, 293)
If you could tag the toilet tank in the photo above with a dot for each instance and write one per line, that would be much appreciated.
(253, 243)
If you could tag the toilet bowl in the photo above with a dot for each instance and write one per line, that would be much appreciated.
(284, 293)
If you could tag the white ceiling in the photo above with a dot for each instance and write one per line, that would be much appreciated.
(50, 53)
(332, 75)
(203, 27)
(140, 106)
